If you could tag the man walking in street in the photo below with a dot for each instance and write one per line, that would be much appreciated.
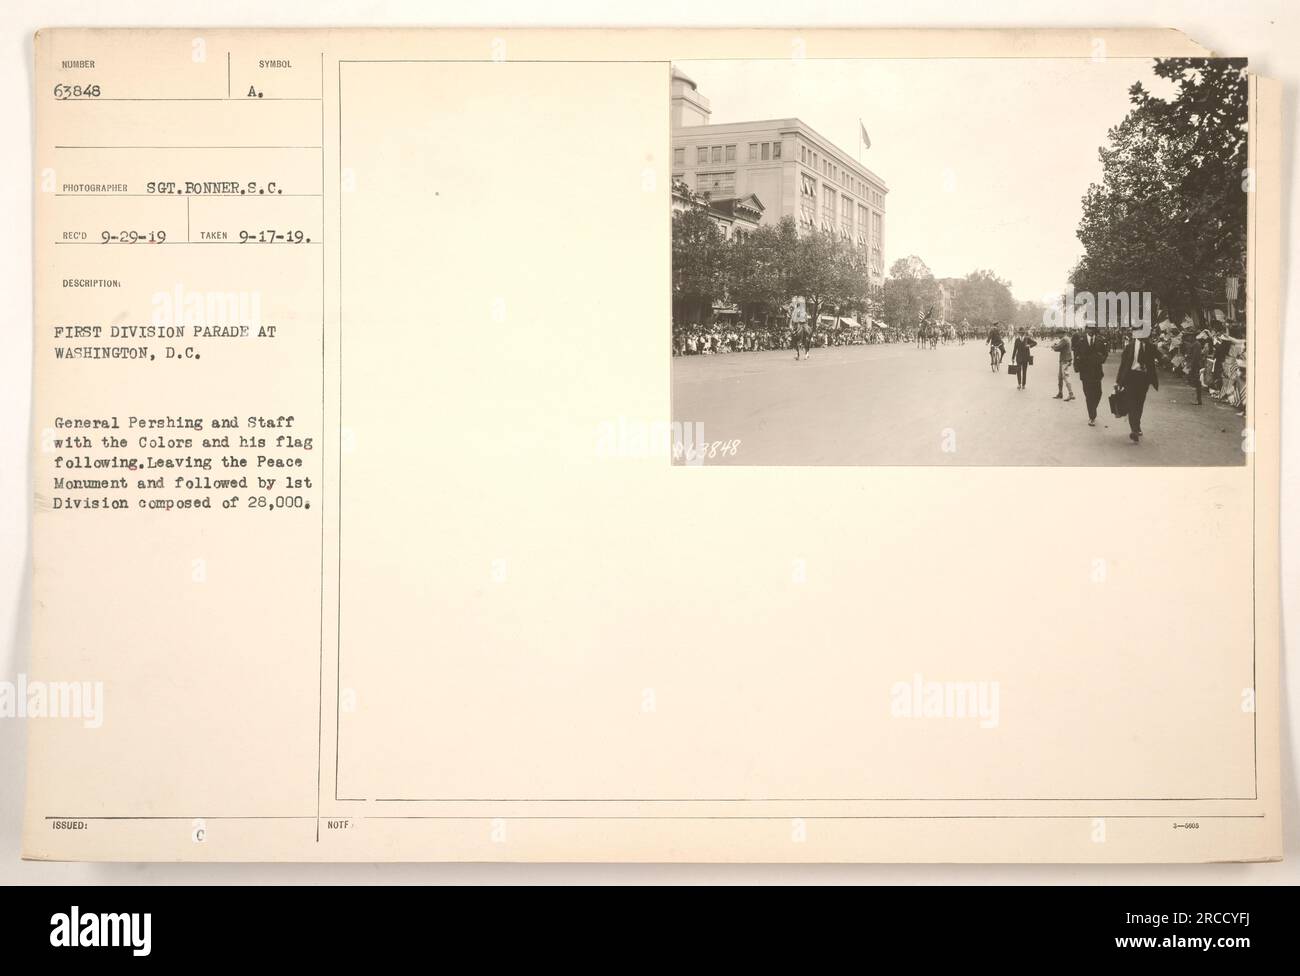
(1137, 372)
(1065, 357)
(1022, 356)
(1088, 360)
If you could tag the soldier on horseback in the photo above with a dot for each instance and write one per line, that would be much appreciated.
(801, 328)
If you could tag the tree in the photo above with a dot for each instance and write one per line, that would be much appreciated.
(761, 271)
(816, 272)
(759, 268)
(1169, 215)
(1030, 315)
(910, 290)
(699, 260)
(853, 272)
(982, 298)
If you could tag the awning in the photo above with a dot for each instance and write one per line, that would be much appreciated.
(852, 323)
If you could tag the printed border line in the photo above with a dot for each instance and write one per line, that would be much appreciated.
(320, 668)
(338, 577)
(821, 799)
(1252, 408)
(829, 816)
(339, 607)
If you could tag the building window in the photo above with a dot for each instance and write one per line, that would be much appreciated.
(701, 155)
(717, 154)
(846, 213)
(753, 152)
(807, 199)
(764, 149)
(716, 184)
(731, 154)
(679, 157)
(828, 207)
(776, 150)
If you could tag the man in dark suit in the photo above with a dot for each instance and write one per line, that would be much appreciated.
(1089, 355)
(1137, 373)
(1022, 354)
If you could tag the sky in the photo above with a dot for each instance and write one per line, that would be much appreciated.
(986, 160)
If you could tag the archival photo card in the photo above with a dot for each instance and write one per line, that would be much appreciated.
(335, 585)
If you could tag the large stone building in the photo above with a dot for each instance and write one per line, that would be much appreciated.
(734, 216)
(788, 166)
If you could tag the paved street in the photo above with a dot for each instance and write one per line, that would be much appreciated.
(891, 404)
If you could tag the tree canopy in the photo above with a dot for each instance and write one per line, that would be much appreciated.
(1169, 214)
(761, 271)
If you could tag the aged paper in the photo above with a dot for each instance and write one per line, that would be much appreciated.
(358, 535)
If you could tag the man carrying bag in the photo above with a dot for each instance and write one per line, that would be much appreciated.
(1137, 373)
(1022, 357)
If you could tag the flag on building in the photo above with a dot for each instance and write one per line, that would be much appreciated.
(866, 139)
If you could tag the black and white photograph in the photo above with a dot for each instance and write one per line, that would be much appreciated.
(973, 262)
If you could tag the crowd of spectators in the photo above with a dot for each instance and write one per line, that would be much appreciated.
(723, 336)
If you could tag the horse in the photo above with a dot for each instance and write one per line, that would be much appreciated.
(802, 339)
